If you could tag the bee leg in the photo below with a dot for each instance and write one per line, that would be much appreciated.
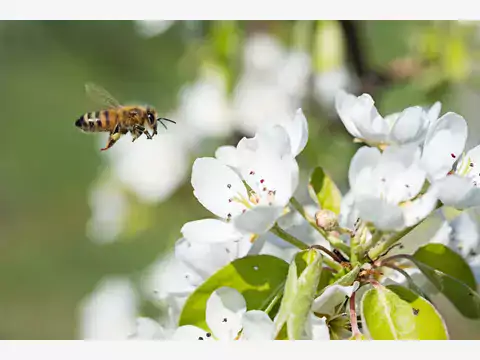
(139, 130)
(113, 138)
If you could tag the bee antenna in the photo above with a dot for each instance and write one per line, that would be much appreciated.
(160, 119)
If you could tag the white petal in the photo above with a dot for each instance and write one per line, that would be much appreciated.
(224, 312)
(384, 215)
(398, 177)
(345, 103)
(443, 234)
(332, 296)
(215, 185)
(258, 220)
(205, 258)
(227, 155)
(410, 126)
(190, 332)
(365, 158)
(458, 192)
(269, 175)
(148, 329)
(170, 276)
(465, 234)
(317, 328)
(348, 212)
(257, 325)
(444, 143)
(434, 112)
(210, 231)
(271, 140)
(109, 312)
(420, 208)
(298, 132)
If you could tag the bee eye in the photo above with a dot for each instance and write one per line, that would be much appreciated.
(151, 118)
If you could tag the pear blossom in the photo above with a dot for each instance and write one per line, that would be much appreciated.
(363, 121)
(461, 233)
(271, 85)
(221, 190)
(226, 315)
(110, 311)
(455, 175)
(385, 186)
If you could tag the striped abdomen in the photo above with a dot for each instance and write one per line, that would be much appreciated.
(97, 121)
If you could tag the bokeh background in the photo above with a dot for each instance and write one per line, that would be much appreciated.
(73, 218)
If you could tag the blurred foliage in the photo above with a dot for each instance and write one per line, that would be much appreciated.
(47, 264)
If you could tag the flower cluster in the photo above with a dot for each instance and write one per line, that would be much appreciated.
(264, 266)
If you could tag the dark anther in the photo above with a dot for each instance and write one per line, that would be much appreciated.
(415, 311)
(200, 338)
(224, 320)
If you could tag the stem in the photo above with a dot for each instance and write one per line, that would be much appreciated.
(376, 251)
(410, 281)
(333, 240)
(277, 230)
(278, 294)
(353, 318)
(328, 252)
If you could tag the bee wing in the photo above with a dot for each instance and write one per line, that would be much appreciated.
(101, 96)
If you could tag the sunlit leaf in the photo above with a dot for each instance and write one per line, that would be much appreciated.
(306, 287)
(257, 278)
(440, 257)
(387, 316)
(324, 191)
(299, 293)
(429, 323)
(465, 299)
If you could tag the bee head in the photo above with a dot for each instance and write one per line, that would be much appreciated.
(153, 119)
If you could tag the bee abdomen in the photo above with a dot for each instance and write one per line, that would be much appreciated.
(93, 121)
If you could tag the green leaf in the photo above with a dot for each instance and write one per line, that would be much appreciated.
(257, 278)
(466, 300)
(305, 293)
(387, 316)
(324, 191)
(299, 293)
(440, 257)
(429, 323)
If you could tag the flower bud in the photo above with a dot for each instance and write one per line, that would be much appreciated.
(326, 220)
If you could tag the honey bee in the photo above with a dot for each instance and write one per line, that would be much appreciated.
(118, 119)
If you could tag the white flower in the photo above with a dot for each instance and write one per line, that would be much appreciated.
(221, 190)
(151, 28)
(383, 186)
(109, 312)
(271, 85)
(226, 315)
(442, 151)
(461, 233)
(362, 120)
(287, 139)
(327, 83)
(110, 208)
(204, 106)
(152, 169)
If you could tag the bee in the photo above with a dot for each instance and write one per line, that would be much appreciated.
(118, 119)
